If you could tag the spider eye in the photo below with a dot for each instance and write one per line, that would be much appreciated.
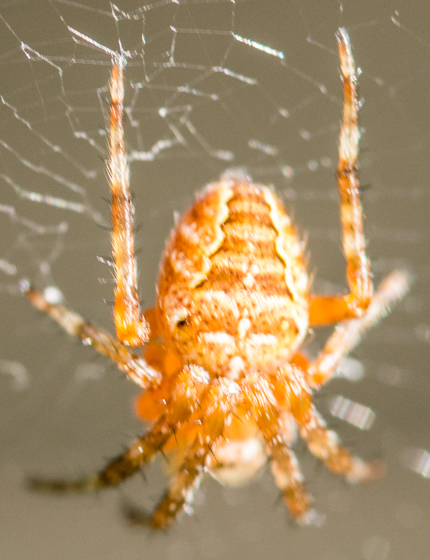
(181, 323)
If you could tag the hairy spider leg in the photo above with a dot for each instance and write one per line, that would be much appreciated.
(332, 309)
(217, 405)
(292, 391)
(285, 468)
(131, 327)
(135, 367)
(186, 393)
(348, 334)
(325, 445)
(289, 478)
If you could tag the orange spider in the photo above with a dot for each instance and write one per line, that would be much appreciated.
(228, 387)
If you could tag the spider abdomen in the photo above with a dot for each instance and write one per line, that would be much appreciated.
(233, 285)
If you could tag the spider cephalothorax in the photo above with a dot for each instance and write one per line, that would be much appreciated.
(228, 387)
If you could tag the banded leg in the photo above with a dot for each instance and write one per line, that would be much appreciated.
(348, 334)
(321, 442)
(180, 494)
(135, 367)
(131, 327)
(333, 309)
(325, 445)
(283, 462)
(119, 469)
(183, 487)
(289, 479)
(185, 398)
(216, 408)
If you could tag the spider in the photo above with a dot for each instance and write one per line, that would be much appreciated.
(228, 387)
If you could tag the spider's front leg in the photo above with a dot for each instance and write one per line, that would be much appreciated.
(216, 406)
(131, 327)
(266, 404)
(186, 392)
(332, 309)
(293, 392)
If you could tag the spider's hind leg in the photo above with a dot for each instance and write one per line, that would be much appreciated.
(131, 326)
(331, 309)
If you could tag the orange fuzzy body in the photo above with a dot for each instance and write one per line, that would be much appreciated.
(232, 292)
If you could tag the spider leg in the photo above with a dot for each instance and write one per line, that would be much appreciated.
(217, 404)
(290, 384)
(185, 400)
(180, 494)
(348, 334)
(135, 367)
(325, 445)
(119, 469)
(337, 308)
(289, 479)
(263, 397)
(183, 487)
(131, 327)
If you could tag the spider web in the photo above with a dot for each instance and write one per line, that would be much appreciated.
(210, 85)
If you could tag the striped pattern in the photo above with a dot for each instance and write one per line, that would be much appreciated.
(233, 284)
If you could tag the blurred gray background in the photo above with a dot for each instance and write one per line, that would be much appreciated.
(66, 411)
